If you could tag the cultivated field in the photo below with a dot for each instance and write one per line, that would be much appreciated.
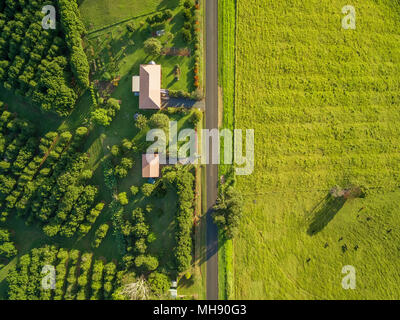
(324, 104)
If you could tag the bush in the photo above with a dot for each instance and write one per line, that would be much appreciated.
(228, 211)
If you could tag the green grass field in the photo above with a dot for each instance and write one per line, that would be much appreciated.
(99, 13)
(324, 104)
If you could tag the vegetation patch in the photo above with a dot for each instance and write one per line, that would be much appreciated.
(323, 102)
(33, 62)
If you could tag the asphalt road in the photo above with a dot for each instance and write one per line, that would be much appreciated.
(211, 123)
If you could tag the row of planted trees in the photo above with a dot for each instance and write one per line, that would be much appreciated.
(46, 179)
(77, 276)
(48, 66)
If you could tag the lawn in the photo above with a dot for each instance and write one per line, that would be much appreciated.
(121, 51)
(100, 13)
(323, 102)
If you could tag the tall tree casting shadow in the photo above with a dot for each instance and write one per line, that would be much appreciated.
(324, 212)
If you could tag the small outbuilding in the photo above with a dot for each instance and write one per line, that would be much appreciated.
(150, 165)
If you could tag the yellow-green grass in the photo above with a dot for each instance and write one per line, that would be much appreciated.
(226, 56)
(324, 104)
(99, 13)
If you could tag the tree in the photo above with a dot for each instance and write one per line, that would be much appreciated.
(134, 190)
(159, 283)
(101, 117)
(228, 211)
(160, 121)
(115, 150)
(8, 249)
(187, 14)
(141, 122)
(123, 199)
(186, 35)
(152, 47)
(147, 189)
(187, 4)
(196, 117)
(113, 104)
(127, 145)
(146, 263)
(87, 174)
(100, 234)
(138, 290)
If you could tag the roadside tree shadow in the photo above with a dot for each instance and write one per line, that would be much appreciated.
(324, 212)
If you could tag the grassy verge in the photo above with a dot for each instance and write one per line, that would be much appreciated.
(196, 286)
(226, 75)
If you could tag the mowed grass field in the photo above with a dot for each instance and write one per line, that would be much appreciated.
(325, 106)
(99, 13)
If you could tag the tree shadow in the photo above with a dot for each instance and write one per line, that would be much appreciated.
(324, 212)
(186, 283)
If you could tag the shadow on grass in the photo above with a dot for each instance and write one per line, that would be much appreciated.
(324, 212)
(186, 283)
